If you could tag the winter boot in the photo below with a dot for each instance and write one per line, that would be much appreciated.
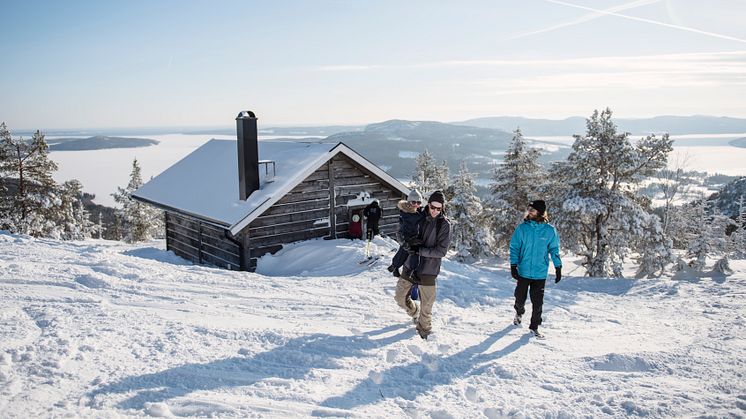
(517, 319)
(535, 333)
(422, 332)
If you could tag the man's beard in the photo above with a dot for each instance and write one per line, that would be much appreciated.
(536, 217)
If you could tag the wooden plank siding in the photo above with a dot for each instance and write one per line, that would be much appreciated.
(201, 242)
(349, 180)
(316, 207)
(302, 214)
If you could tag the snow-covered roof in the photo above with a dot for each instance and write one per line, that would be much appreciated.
(205, 183)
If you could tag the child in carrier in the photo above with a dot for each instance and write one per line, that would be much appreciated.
(411, 216)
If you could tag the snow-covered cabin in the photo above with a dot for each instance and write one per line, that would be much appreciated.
(230, 202)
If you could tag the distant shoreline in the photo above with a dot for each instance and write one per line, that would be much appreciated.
(738, 142)
(98, 142)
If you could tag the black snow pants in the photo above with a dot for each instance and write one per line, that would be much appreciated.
(537, 299)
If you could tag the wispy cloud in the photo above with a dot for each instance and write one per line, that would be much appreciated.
(586, 18)
(709, 60)
(350, 67)
(588, 81)
(651, 21)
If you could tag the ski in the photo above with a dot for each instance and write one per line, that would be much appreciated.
(366, 260)
(370, 260)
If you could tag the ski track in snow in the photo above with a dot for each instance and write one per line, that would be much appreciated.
(106, 329)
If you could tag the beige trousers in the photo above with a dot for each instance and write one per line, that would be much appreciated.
(427, 299)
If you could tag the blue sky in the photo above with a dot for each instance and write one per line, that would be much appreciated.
(98, 64)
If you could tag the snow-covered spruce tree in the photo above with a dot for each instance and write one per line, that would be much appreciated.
(655, 248)
(4, 157)
(73, 218)
(707, 236)
(599, 216)
(100, 225)
(697, 234)
(516, 182)
(429, 176)
(739, 236)
(720, 242)
(471, 236)
(138, 220)
(30, 192)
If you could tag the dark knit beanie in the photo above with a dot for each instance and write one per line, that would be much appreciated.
(437, 196)
(539, 206)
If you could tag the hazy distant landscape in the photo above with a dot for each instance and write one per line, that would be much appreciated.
(739, 142)
(392, 145)
(98, 142)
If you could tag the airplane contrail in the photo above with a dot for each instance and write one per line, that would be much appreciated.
(654, 22)
(586, 18)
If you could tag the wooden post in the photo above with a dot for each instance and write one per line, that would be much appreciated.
(332, 203)
(165, 224)
(199, 239)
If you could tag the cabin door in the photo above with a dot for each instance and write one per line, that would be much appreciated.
(356, 223)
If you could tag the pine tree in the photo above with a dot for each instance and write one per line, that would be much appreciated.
(27, 165)
(672, 184)
(471, 237)
(516, 182)
(4, 159)
(72, 217)
(100, 225)
(705, 232)
(599, 214)
(655, 249)
(138, 220)
(720, 243)
(698, 235)
(739, 236)
(429, 176)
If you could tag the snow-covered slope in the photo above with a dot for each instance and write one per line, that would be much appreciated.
(104, 329)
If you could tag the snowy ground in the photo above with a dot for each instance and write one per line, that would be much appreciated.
(104, 329)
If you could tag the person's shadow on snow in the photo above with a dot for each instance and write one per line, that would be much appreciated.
(410, 380)
(292, 360)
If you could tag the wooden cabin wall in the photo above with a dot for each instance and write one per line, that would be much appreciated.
(349, 180)
(306, 211)
(201, 242)
(302, 214)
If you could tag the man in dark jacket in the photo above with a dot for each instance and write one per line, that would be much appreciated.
(532, 243)
(372, 214)
(436, 238)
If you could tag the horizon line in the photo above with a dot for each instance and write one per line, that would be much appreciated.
(309, 125)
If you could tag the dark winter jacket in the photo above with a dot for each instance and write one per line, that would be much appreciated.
(530, 247)
(436, 237)
(410, 221)
(373, 213)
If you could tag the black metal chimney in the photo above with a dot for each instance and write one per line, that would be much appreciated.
(248, 154)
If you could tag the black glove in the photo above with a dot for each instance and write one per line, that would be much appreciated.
(514, 271)
(413, 250)
(558, 273)
(415, 241)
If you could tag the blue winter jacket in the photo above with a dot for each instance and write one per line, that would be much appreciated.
(530, 247)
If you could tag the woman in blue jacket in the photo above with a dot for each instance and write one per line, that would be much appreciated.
(533, 242)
